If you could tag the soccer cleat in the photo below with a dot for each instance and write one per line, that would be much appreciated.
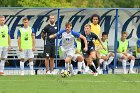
(53, 72)
(104, 72)
(48, 72)
(95, 74)
(79, 72)
(22, 73)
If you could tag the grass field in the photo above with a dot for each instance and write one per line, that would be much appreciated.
(75, 84)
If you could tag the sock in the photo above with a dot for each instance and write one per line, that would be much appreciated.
(131, 65)
(67, 66)
(124, 65)
(2, 63)
(83, 64)
(21, 65)
(101, 61)
(71, 68)
(104, 65)
(92, 68)
(31, 65)
(110, 60)
(80, 66)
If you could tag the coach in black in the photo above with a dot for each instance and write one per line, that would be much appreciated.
(49, 48)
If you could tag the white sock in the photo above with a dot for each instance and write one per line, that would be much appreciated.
(79, 66)
(31, 65)
(104, 65)
(21, 65)
(124, 65)
(71, 68)
(131, 65)
(101, 61)
(110, 60)
(67, 66)
(83, 64)
(2, 63)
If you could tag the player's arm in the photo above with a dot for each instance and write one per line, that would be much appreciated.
(57, 34)
(85, 41)
(43, 35)
(33, 40)
(44, 32)
(19, 40)
(9, 41)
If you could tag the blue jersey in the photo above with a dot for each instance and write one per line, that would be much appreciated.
(68, 39)
(138, 43)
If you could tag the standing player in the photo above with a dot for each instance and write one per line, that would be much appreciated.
(106, 56)
(49, 29)
(26, 44)
(68, 48)
(90, 55)
(5, 44)
(95, 28)
(122, 53)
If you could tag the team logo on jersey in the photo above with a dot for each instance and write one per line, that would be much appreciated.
(55, 27)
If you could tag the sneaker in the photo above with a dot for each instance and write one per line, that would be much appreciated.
(104, 72)
(1, 73)
(31, 72)
(131, 72)
(22, 73)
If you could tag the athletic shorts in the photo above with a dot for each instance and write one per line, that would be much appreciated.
(49, 51)
(27, 54)
(87, 53)
(3, 52)
(119, 55)
(68, 53)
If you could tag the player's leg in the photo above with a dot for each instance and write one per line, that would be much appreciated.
(132, 61)
(110, 58)
(47, 56)
(52, 56)
(105, 58)
(22, 60)
(3, 53)
(31, 65)
(123, 59)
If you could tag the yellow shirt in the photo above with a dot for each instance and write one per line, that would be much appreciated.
(96, 29)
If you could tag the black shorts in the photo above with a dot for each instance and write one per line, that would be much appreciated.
(87, 53)
(49, 51)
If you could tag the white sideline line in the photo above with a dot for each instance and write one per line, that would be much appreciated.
(77, 81)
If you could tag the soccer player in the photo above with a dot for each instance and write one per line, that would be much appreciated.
(68, 48)
(5, 43)
(95, 28)
(26, 44)
(106, 56)
(90, 55)
(122, 53)
(49, 50)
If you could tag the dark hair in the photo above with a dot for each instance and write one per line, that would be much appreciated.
(25, 18)
(95, 15)
(104, 33)
(68, 24)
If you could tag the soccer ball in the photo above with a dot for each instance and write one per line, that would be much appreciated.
(64, 74)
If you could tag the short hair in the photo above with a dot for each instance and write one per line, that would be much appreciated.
(68, 24)
(88, 25)
(104, 33)
(124, 32)
(25, 18)
(94, 15)
(1, 16)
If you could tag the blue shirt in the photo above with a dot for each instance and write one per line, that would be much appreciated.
(138, 43)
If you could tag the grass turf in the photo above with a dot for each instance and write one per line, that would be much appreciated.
(75, 84)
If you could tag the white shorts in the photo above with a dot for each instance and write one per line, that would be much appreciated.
(105, 55)
(74, 58)
(119, 55)
(27, 54)
(3, 52)
(70, 52)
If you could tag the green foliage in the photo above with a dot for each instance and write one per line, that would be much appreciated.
(72, 3)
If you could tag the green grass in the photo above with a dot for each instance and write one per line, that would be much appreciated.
(76, 84)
